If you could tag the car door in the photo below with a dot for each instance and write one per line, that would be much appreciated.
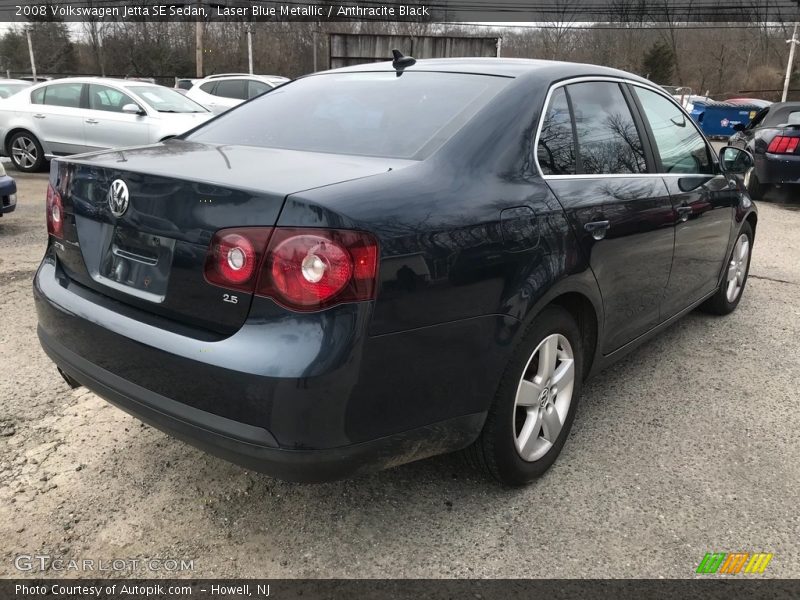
(591, 153)
(703, 198)
(58, 117)
(107, 126)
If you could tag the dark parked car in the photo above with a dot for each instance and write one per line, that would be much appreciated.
(386, 262)
(773, 137)
(8, 192)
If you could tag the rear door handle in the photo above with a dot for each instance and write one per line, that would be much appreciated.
(38, 116)
(683, 213)
(598, 229)
(92, 121)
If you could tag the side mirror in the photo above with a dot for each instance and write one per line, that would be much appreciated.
(739, 127)
(735, 160)
(132, 109)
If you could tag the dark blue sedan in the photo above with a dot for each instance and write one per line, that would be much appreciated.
(372, 265)
(8, 192)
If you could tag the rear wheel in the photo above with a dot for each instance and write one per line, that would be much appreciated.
(26, 152)
(730, 290)
(534, 408)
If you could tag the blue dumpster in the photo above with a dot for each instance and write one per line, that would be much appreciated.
(717, 119)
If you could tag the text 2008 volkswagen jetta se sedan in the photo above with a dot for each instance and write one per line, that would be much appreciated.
(372, 265)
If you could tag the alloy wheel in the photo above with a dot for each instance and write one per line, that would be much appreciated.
(24, 152)
(737, 268)
(543, 397)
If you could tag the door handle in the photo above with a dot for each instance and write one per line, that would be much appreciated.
(92, 121)
(598, 229)
(683, 213)
(38, 116)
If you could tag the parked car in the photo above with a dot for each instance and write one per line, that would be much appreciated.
(81, 114)
(773, 137)
(9, 87)
(385, 262)
(8, 192)
(222, 92)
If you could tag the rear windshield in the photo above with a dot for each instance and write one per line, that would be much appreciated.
(371, 114)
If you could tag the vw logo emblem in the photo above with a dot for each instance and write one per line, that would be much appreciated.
(118, 197)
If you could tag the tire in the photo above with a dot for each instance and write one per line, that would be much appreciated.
(727, 297)
(26, 152)
(755, 188)
(496, 452)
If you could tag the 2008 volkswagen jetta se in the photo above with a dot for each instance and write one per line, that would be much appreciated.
(381, 263)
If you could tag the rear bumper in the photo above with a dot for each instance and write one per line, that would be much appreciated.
(774, 169)
(303, 398)
(254, 447)
(8, 194)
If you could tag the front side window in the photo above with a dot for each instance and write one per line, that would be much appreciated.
(556, 150)
(608, 141)
(361, 113)
(681, 147)
(256, 88)
(102, 97)
(63, 94)
(232, 88)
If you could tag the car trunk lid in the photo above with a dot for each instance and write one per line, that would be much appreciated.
(150, 252)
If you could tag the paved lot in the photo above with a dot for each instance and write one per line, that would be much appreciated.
(689, 445)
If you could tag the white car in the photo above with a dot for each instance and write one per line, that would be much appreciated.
(9, 87)
(82, 114)
(221, 92)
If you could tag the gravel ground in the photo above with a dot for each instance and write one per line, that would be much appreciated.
(689, 445)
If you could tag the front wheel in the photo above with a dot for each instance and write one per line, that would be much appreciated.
(730, 290)
(535, 404)
(26, 152)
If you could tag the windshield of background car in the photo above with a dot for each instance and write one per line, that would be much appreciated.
(371, 114)
(7, 89)
(165, 99)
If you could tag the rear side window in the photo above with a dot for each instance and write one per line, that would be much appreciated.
(208, 88)
(794, 118)
(232, 88)
(102, 97)
(363, 113)
(37, 96)
(63, 94)
(608, 141)
(681, 147)
(556, 149)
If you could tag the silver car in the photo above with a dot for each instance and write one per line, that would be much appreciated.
(82, 114)
(222, 92)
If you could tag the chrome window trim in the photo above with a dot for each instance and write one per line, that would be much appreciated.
(609, 78)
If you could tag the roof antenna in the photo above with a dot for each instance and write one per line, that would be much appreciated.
(400, 61)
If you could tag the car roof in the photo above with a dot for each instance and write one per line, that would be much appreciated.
(99, 80)
(501, 67)
(240, 76)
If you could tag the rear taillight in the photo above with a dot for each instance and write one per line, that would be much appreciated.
(301, 269)
(782, 144)
(55, 212)
(234, 257)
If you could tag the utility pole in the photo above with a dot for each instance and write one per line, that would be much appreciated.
(198, 43)
(250, 48)
(30, 51)
(792, 43)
